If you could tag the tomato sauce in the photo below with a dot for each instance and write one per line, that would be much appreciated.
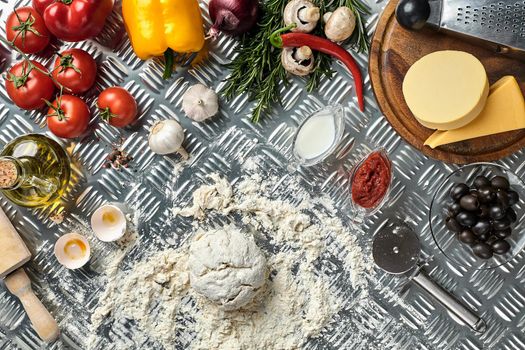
(371, 181)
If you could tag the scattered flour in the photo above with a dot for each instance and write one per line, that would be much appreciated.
(296, 303)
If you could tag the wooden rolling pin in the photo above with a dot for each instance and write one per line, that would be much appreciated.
(15, 254)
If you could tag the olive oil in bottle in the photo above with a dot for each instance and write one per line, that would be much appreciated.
(34, 171)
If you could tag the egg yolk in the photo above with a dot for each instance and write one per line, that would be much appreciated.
(75, 249)
(110, 218)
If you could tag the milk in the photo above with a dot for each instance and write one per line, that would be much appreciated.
(316, 136)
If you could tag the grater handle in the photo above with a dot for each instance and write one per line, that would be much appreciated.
(413, 14)
(449, 302)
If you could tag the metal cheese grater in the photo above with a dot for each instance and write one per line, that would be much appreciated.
(500, 25)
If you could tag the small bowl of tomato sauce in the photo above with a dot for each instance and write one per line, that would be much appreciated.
(370, 181)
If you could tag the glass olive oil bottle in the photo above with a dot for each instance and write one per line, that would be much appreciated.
(34, 171)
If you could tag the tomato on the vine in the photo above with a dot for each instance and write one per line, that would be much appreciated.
(74, 20)
(28, 85)
(26, 29)
(68, 116)
(117, 106)
(76, 70)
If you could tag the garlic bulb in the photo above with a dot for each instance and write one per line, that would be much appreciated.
(167, 136)
(200, 103)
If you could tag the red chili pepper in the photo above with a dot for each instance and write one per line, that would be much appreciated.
(325, 46)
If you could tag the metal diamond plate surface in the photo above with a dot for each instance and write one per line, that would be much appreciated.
(394, 317)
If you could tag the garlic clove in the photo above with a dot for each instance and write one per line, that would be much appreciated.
(200, 103)
(166, 137)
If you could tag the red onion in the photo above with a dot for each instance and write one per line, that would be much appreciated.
(233, 17)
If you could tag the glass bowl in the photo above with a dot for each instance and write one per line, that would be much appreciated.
(358, 210)
(453, 249)
(336, 112)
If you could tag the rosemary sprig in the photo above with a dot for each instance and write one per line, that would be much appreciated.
(257, 69)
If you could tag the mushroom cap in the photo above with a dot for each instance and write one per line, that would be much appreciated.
(340, 25)
(292, 15)
(200, 103)
(293, 66)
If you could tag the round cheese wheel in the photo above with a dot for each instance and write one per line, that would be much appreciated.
(446, 89)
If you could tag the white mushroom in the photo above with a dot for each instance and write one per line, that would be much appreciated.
(340, 24)
(303, 13)
(200, 103)
(298, 61)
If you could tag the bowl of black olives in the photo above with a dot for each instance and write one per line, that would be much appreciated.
(477, 215)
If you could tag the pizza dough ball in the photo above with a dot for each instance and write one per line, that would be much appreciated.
(227, 267)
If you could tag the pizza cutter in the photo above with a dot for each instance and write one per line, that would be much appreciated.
(396, 251)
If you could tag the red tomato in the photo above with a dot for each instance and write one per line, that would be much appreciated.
(28, 87)
(76, 70)
(117, 107)
(27, 30)
(68, 117)
(41, 5)
(74, 20)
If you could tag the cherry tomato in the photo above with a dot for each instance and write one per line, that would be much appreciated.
(117, 107)
(26, 29)
(76, 70)
(74, 20)
(28, 87)
(68, 117)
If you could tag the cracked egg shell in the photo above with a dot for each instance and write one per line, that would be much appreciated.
(109, 223)
(72, 250)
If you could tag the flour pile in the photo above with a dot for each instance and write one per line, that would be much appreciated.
(295, 304)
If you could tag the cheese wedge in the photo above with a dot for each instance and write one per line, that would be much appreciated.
(446, 89)
(504, 111)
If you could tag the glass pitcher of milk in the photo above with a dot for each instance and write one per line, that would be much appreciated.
(319, 135)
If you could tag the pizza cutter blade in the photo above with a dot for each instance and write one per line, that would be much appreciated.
(396, 251)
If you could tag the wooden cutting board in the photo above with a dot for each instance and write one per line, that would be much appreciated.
(395, 49)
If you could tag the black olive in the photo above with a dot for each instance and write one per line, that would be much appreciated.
(453, 225)
(469, 202)
(486, 194)
(466, 236)
(466, 219)
(484, 211)
(454, 209)
(513, 197)
(503, 233)
(482, 250)
(481, 181)
(500, 182)
(497, 212)
(491, 240)
(511, 215)
(503, 198)
(458, 191)
(501, 224)
(481, 227)
(474, 193)
(484, 236)
(500, 246)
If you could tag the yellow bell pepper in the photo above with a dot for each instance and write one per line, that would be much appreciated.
(161, 27)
